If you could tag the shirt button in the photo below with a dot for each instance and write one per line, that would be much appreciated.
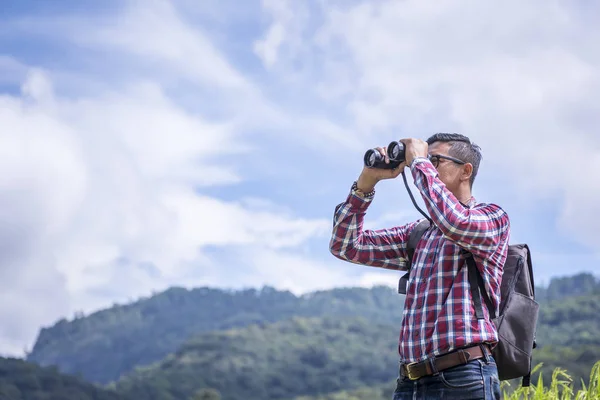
(417, 333)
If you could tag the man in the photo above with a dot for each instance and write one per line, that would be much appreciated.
(445, 351)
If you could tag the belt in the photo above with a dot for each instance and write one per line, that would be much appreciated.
(434, 365)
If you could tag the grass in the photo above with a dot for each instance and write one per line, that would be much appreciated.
(561, 387)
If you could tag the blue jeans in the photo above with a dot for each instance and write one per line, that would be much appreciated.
(477, 379)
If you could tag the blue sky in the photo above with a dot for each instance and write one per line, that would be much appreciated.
(155, 143)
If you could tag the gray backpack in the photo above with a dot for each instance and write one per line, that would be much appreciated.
(517, 320)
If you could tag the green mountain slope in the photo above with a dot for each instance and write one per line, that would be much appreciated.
(325, 356)
(278, 361)
(106, 344)
(378, 392)
(581, 284)
(257, 359)
(563, 320)
(20, 380)
(569, 335)
(109, 343)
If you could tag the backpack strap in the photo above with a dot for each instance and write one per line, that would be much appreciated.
(530, 267)
(478, 289)
(526, 381)
(413, 239)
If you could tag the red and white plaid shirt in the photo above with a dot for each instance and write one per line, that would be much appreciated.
(438, 313)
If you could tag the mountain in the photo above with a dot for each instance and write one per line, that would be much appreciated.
(564, 287)
(568, 334)
(377, 392)
(20, 380)
(171, 341)
(300, 356)
(570, 320)
(328, 358)
(109, 343)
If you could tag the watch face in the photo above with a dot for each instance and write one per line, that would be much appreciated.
(362, 194)
(359, 192)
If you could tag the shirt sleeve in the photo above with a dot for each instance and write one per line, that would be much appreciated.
(479, 230)
(383, 248)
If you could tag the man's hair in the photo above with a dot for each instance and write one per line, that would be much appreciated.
(461, 148)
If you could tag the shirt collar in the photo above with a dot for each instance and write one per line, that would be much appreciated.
(470, 203)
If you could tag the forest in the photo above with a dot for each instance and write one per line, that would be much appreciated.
(214, 344)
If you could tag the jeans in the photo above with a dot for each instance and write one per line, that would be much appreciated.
(477, 379)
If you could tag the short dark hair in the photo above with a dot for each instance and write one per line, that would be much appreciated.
(462, 148)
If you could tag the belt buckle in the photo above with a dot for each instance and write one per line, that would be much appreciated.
(410, 376)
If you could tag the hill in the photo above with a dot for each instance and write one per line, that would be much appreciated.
(20, 380)
(300, 356)
(568, 334)
(111, 343)
(377, 392)
(337, 356)
(564, 287)
(103, 346)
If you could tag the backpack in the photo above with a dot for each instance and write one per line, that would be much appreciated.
(517, 320)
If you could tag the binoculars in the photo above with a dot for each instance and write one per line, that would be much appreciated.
(395, 152)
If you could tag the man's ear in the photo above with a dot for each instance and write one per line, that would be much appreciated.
(467, 172)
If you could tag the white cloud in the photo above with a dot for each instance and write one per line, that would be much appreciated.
(284, 19)
(377, 278)
(155, 30)
(101, 200)
(102, 174)
(158, 42)
(522, 86)
(300, 273)
(104, 191)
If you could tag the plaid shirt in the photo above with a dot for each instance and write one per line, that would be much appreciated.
(438, 313)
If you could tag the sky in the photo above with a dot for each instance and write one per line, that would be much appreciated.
(152, 143)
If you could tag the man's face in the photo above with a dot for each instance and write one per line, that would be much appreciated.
(449, 171)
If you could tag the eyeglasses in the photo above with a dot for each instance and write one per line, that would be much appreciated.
(435, 159)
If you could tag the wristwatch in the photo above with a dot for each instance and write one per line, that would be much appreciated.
(360, 193)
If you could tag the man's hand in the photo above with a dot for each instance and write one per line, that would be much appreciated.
(370, 176)
(414, 148)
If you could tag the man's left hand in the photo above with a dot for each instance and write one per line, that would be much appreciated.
(414, 148)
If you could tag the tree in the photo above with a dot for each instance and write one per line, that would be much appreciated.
(206, 394)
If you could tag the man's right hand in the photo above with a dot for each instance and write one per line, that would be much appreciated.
(370, 176)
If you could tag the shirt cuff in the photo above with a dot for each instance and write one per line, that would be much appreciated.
(418, 160)
(359, 201)
(421, 167)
